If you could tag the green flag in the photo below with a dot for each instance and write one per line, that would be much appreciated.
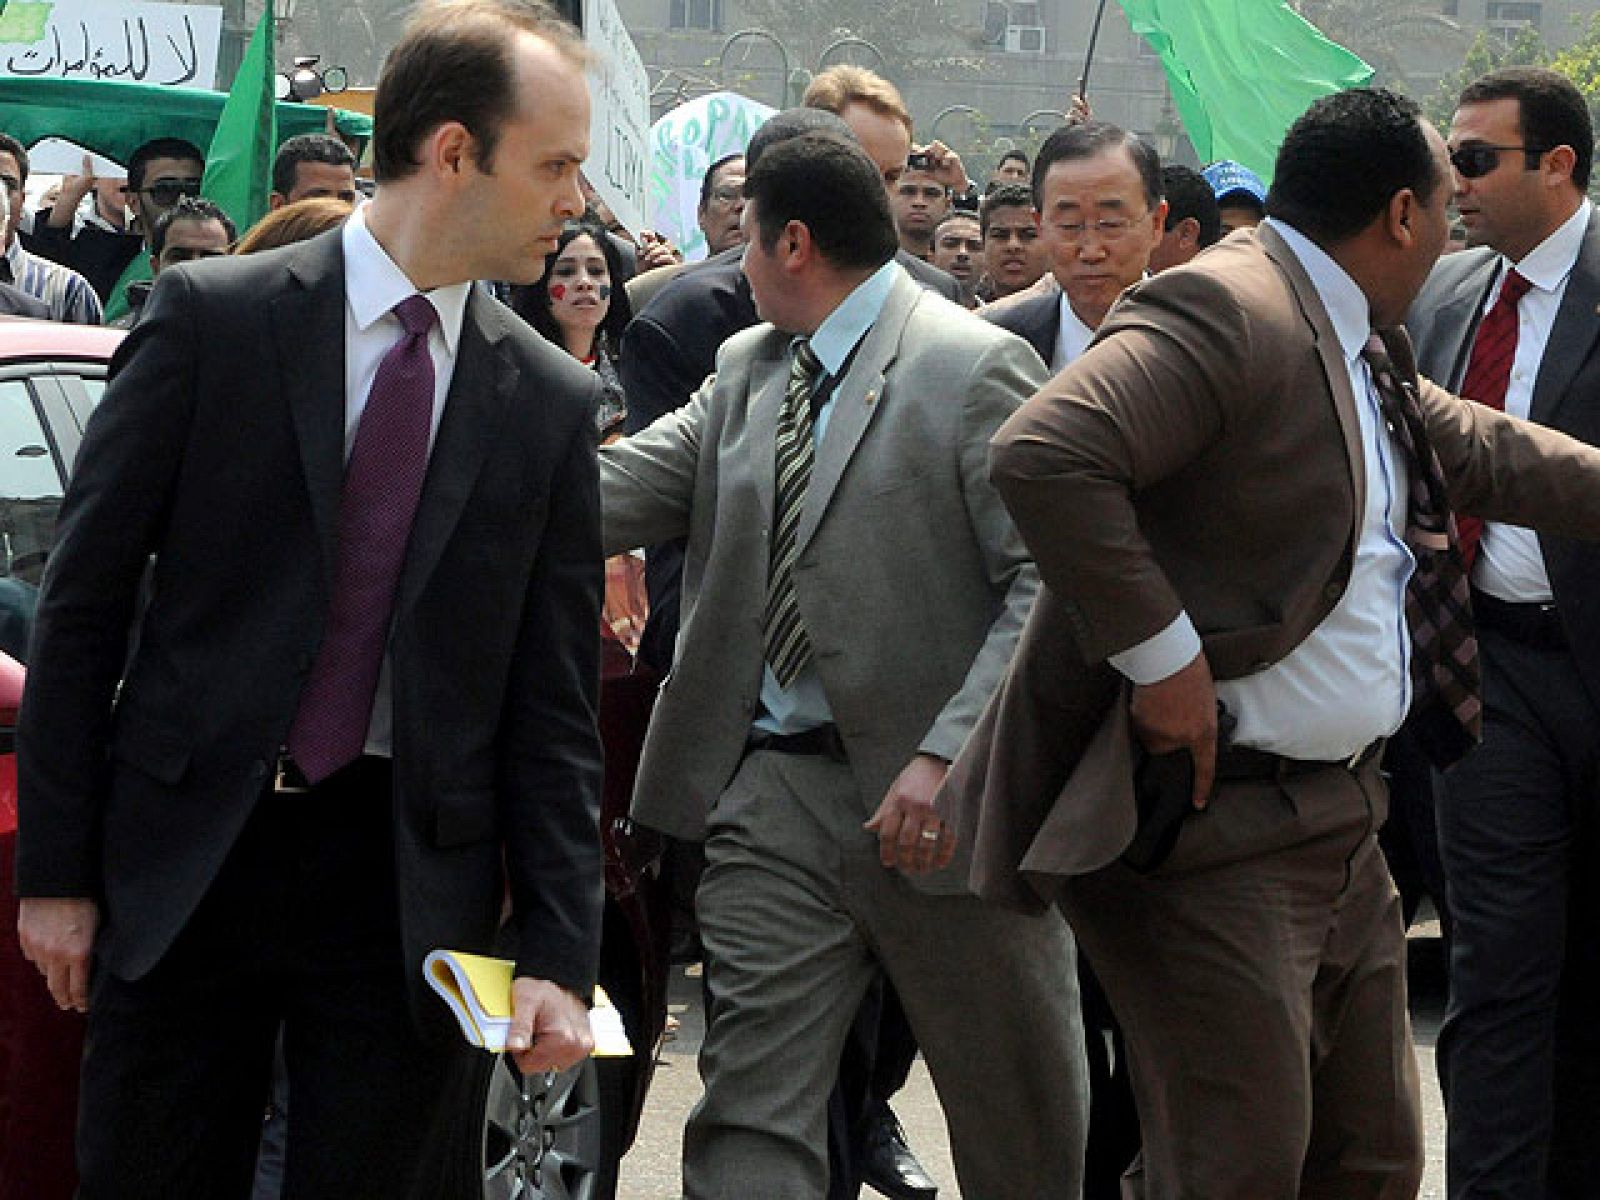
(1241, 71)
(239, 163)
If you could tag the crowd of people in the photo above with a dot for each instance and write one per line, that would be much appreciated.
(1046, 578)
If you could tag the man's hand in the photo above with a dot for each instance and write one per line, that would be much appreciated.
(1180, 713)
(549, 1027)
(73, 189)
(910, 834)
(654, 250)
(57, 936)
(944, 164)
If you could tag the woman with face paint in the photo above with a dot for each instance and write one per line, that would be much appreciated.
(574, 306)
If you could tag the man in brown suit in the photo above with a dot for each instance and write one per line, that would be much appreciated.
(1213, 492)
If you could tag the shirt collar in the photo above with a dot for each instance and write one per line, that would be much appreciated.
(847, 324)
(16, 256)
(1549, 263)
(374, 284)
(1349, 311)
(1070, 321)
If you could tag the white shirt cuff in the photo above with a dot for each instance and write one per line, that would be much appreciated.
(1162, 656)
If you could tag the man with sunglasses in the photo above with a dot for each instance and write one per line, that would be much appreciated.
(160, 173)
(1511, 323)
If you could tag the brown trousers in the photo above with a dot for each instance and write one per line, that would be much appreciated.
(1259, 975)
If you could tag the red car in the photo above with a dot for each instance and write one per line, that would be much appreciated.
(527, 1138)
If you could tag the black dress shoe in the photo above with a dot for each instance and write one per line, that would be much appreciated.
(887, 1165)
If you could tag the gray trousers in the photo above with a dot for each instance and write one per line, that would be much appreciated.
(797, 913)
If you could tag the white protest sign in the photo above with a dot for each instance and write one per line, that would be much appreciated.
(173, 44)
(682, 145)
(619, 122)
(61, 156)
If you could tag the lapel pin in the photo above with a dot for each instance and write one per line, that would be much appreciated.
(872, 397)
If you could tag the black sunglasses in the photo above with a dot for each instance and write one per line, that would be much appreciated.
(1476, 159)
(166, 192)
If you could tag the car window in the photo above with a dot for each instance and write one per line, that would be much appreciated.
(30, 497)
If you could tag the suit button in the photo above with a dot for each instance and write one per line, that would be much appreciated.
(1261, 665)
(1333, 591)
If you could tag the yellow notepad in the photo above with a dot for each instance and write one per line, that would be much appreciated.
(478, 991)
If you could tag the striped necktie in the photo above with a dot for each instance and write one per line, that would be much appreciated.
(1445, 673)
(788, 646)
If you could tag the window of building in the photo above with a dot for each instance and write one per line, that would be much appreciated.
(1520, 12)
(696, 14)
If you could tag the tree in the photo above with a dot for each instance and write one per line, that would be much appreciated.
(1485, 54)
(1377, 30)
(1580, 62)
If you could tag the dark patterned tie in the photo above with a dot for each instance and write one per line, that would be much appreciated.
(382, 484)
(1447, 710)
(788, 646)
(1494, 349)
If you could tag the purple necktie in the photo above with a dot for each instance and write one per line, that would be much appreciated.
(382, 484)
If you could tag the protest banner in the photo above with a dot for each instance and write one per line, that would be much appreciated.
(683, 144)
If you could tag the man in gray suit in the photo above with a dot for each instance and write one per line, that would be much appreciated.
(852, 593)
(1511, 325)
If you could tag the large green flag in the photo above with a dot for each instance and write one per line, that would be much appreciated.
(239, 164)
(1241, 71)
(238, 174)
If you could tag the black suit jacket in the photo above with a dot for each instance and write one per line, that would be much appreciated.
(1566, 396)
(218, 448)
(1037, 320)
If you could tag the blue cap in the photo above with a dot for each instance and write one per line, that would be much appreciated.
(1226, 177)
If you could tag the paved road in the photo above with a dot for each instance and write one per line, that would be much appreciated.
(650, 1172)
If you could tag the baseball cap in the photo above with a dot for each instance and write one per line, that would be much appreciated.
(1226, 177)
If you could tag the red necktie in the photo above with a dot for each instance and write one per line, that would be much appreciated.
(382, 485)
(1489, 375)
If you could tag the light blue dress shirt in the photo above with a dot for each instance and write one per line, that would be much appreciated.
(803, 704)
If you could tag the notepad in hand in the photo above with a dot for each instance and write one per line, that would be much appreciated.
(478, 991)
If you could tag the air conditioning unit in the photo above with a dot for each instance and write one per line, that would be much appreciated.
(1025, 39)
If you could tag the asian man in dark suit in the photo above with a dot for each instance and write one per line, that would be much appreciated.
(1511, 323)
(359, 711)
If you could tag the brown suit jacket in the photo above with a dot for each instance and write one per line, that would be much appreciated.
(1204, 455)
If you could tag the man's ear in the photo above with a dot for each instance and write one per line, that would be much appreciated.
(1189, 231)
(797, 245)
(1400, 216)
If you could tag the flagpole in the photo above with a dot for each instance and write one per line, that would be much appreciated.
(1088, 57)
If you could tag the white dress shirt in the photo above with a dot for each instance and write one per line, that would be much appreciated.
(803, 704)
(1072, 337)
(373, 285)
(1509, 564)
(1348, 683)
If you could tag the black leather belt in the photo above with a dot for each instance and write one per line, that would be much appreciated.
(823, 740)
(1237, 764)
(1531, 624)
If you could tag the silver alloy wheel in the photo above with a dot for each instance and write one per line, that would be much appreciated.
(541, 1134)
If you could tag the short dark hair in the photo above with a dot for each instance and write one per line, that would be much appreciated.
(10, 145)
(956, 214)
(1097, 137)
(1004, 195)
(792, 122)
(830, 186)
(307, 148)
(1550, 109)
(165, 147)
(1189, 195)
(1016, 154)
(531, 301)
(189, 208)
(454, 62)
(1314, 186)
(707, 181)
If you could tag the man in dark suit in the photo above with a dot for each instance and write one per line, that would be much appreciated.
(1097, 196)
(1512, 324)
(1242, 494)
(360, 708)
